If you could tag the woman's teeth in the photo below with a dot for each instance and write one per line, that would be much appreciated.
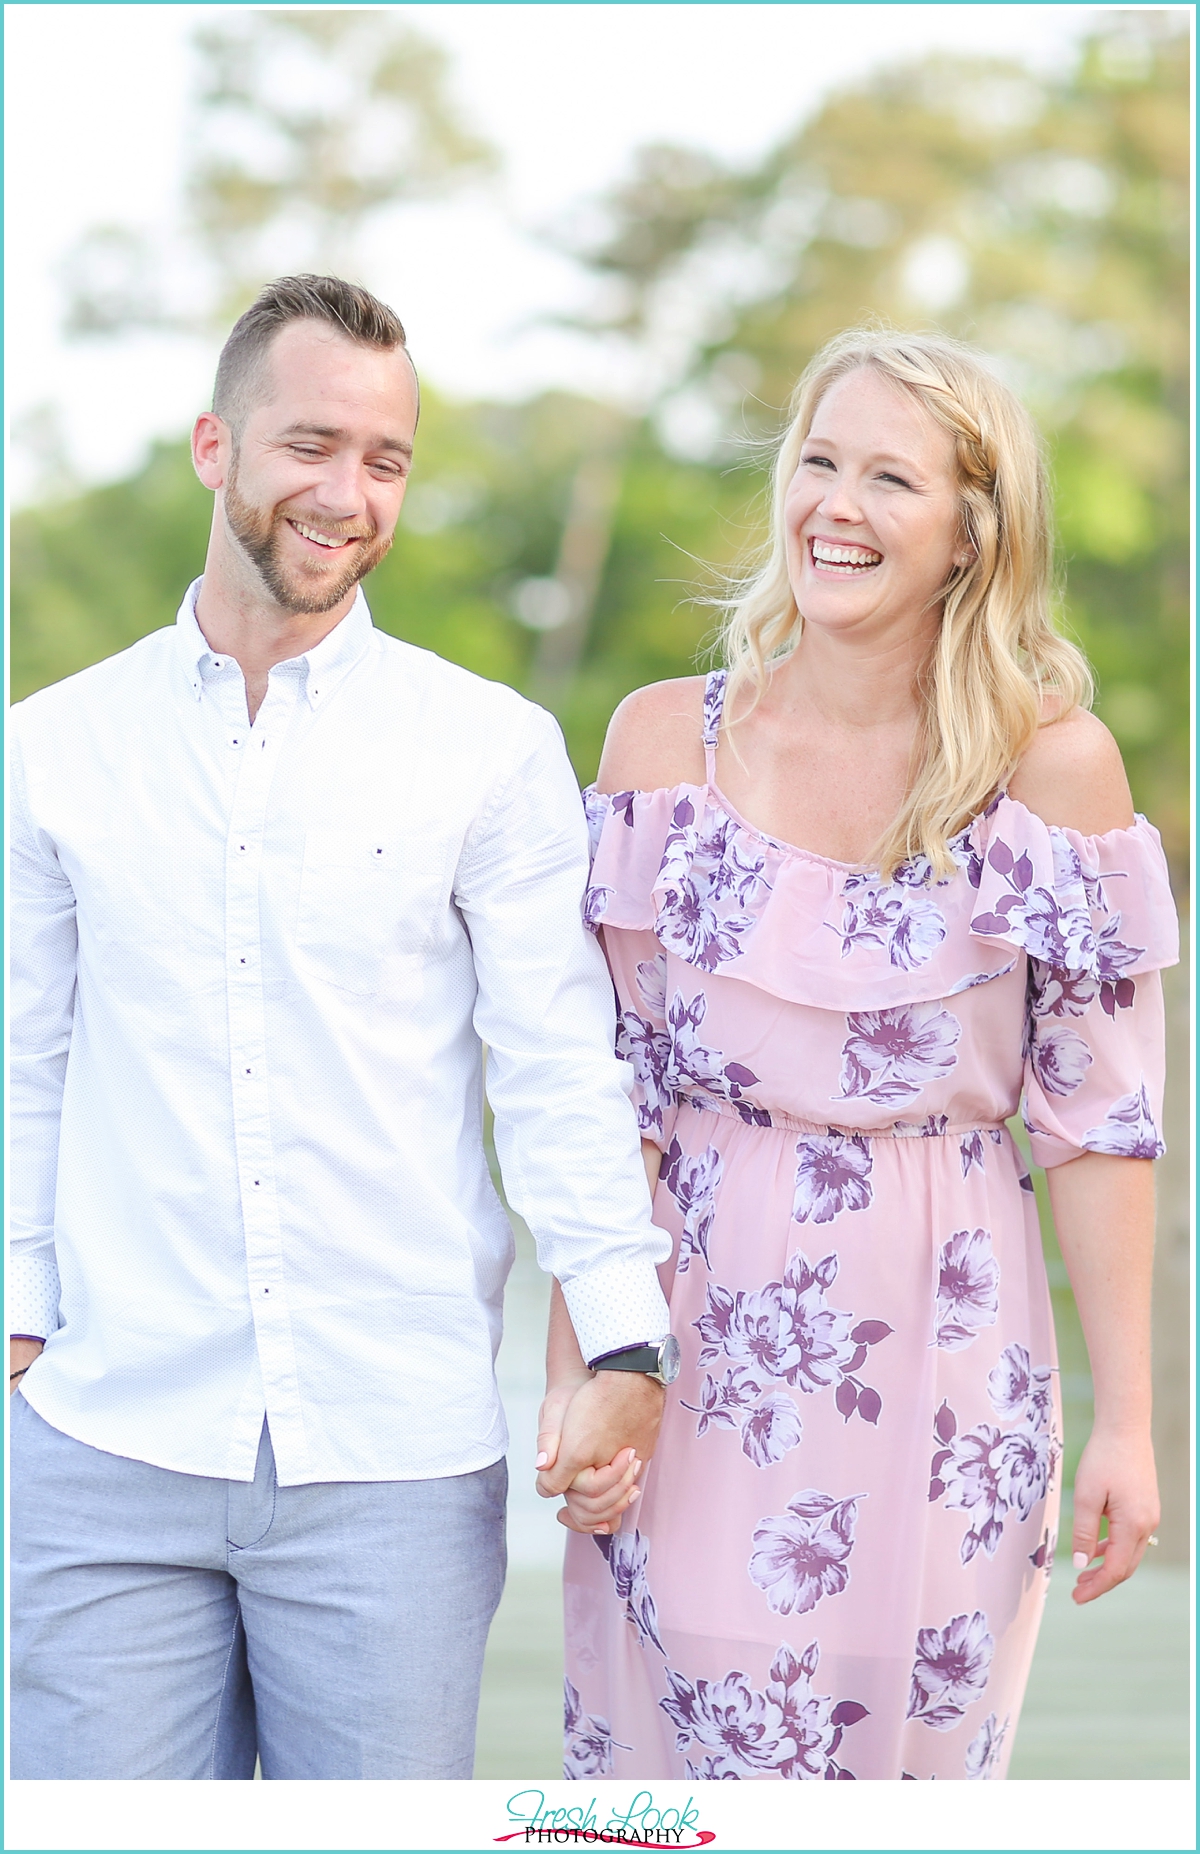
(848, 560)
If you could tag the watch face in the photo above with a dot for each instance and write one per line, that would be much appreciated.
(669, 1359)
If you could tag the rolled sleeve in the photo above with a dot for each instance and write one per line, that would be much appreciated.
(566, 1131)
(1094, 1071)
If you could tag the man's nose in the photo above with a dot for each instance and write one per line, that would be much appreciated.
(340, 488)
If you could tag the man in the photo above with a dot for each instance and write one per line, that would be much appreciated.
(276, 879)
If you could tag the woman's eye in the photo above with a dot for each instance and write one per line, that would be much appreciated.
(822, 463)
(887, 476)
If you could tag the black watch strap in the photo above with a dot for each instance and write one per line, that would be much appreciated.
(629, 1358)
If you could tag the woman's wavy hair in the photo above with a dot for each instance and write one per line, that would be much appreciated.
(997, 653)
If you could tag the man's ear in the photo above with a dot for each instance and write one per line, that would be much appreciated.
(212, 448)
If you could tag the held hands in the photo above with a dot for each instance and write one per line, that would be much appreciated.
(1115, 1478)
(595, 1432)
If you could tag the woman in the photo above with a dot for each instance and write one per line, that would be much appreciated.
(858, 892)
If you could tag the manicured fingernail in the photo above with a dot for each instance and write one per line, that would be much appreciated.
(635, 1494)
(637, 1466)
(603, 1529)
(1080, 1561)
(542, 1459)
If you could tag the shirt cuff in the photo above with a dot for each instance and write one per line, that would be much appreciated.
(616, 1305)
(32, 1295)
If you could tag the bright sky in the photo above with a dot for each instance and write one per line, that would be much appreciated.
(97, 102)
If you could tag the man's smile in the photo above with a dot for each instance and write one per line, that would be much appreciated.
(318, 537)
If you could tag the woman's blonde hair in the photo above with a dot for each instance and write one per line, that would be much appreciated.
(997, 654)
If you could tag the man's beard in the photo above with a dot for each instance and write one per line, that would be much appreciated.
(257, 531)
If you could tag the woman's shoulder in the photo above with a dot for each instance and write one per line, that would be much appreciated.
(655, 739)
(1071, 775)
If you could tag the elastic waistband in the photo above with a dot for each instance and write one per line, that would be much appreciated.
(935, 1127)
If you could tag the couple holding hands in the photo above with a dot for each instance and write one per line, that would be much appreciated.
(861, 892)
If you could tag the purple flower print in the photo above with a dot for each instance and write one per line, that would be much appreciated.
(709, 1770)
(596, 809)
(1023, 1468)
(736, 865)
(814, 1723)
(706, 870)
(889, 1056)
(983, 1752)
(714, 701)
(648, 1051)
(970, 1149)
(746, 1731)
(1060, 933)
(801, 1555)
(694, 1065)
(784, 1331)
(1112, 957)
(595, 905)
(932, 1127)
(990, 1472)
(1128, 1130)
(788, 1730)
(972, 1481)
(906, 924)
(688, 926)
(588, 1740)
(1055, 991)
(652, 985)
(832, 1176)
(1015, 1387)
(725, 1402)
(692, 1183)
(968, 1288)
(1060, 1058)
(950, 1670)
(771, 1429)
(627, 1554)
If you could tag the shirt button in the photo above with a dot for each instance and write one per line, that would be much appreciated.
(235, 740)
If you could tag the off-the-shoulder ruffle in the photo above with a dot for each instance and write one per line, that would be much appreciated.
(726, 898)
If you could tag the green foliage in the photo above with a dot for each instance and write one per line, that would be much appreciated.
(1045, 218)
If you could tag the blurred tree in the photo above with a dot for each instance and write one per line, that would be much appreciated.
(1045, 218)
(308, 123)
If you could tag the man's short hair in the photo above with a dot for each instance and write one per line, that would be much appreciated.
(347, 307)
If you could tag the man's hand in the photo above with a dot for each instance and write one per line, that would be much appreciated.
(611, 1411)
(21, 1354)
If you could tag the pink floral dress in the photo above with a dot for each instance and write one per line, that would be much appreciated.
(839, 1561)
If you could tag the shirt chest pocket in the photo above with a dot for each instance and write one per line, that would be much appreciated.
(369, 904)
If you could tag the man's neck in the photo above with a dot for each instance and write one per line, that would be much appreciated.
(240, 620)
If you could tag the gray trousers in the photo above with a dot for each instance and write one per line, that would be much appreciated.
(173, 1626)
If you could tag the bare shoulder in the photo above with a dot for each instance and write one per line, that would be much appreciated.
(655, 738)
(1072, 775)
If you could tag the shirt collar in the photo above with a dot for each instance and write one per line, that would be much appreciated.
(325, 664)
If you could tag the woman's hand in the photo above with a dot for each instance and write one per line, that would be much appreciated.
(1115, 1479)
(597, 1497)
(554, 1409)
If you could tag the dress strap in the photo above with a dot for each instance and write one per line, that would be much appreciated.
(714, 702)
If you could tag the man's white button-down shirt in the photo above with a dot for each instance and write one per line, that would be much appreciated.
(254, 969)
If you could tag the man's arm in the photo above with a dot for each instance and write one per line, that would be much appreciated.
(566, 1133)
(43, 949)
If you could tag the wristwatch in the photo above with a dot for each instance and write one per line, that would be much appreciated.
(659, 1361)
